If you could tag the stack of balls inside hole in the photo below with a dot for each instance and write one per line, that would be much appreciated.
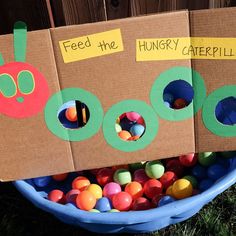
(135, 187)
(130, 126)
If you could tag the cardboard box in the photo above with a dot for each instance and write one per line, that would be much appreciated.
(101, 58)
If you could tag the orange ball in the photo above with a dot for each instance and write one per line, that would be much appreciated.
(134, 138)
(60, 177)
(125, 135)
(71, 114)
(134, 189)
(80, 183)
(86, 201)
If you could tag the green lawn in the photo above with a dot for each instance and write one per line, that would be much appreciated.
(20, 217)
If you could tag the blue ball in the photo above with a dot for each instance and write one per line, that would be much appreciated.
(216, 171)
(137, 130)
(167, 104)
(199, 172)
(165, 200)
(205, 184)
(103, 204)
(168, 97)
(42, 181)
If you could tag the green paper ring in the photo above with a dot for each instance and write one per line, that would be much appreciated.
(58, 99)
(115, 111)
(178, 73)
(208, 112)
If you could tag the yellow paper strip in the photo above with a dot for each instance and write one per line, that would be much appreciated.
(92, 45)
(185, 48)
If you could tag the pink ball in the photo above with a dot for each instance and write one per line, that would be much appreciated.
(141, 176)
(188, 160)
(72, 195)
(132, 116)
(111, 189)
(122, 201)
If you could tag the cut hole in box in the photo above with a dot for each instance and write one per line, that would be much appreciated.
(226, 111)
(130, 126)
(178, 94)
(73, 114)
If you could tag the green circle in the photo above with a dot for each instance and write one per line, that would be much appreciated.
(68, 94)
(173, 74)
(208, 112)
(115, 111)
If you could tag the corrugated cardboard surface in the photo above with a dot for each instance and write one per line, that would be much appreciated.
(216, 73)
(29, 149)
(117, 77)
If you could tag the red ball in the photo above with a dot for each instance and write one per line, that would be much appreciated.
(141, 204)
(122, 201)
(168, 178)
(189, 159)
(156, 199)
(141, 176)
(57, 196)
(180, 103)
(152, 188)
(60, 177)
(175, 166)
(104, 176)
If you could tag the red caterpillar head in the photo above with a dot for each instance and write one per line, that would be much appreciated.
(23, 89)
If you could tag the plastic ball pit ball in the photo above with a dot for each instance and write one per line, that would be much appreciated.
(122, 176)
(216, 171)
(167, 97)
(175, 166)
(207, 158)
(125, 135)
(104, 176)
(199, 172)
(72, 195)
(80, 183)
(96, 190)
(168, 178)
(154, 169)
(103, 204)
(182, 188)
(141, 204)
(152, 188)
(42, 181)
(165, 200)
(122, 201)
(135, 189)
(71, 114)
(85, 200)
(60, 177)
(188, 160)
(137, 130)
(180, 103)
(56, 196)
(108, 217)
(132, 116)
(111, 189)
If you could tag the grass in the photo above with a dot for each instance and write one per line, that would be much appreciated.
(19, 217)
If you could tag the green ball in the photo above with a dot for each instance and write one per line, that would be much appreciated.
(154, 169)
(192, 180)
(118, 128)
(207, 158)
(94, 210)
(122, 176)
(136, 166)
(114, 210)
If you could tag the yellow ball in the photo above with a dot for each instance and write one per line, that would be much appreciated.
(182, 188)
(96, 190)
(169, 191)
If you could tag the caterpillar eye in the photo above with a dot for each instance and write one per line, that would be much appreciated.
(7, 86)
(26, 82)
